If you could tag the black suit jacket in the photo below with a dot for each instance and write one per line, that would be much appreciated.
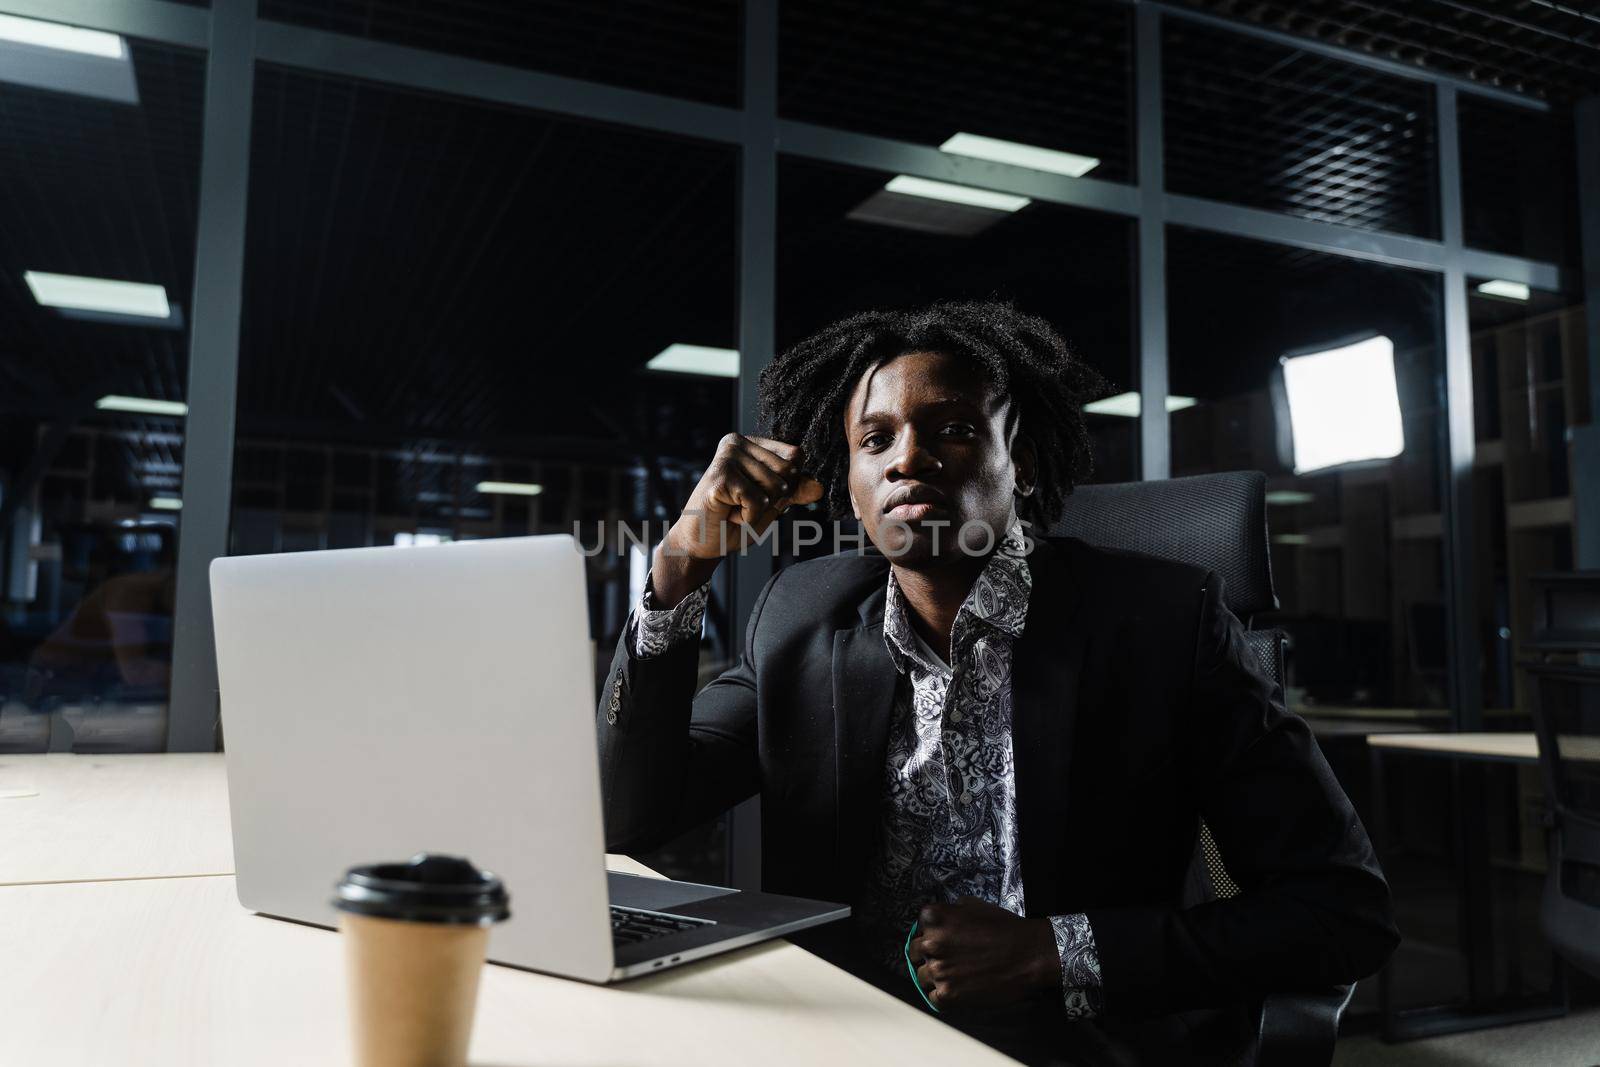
(1138, 711)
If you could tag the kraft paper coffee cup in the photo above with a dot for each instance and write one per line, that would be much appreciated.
(415, 936)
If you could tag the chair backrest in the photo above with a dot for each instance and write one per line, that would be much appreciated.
(1217, 521)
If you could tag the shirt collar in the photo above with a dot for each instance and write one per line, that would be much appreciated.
(998, 599)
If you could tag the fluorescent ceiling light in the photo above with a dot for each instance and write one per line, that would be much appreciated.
(63, 38)
(166, 503)
(1344, 406)
(1291, 539)
(1288, 497)
(1503, 288)
(1020, 155)
(71, 292)
(696, 359)
(142, 406)
(928, 189)
(1127, 405)
(510, 488)
(66, 59)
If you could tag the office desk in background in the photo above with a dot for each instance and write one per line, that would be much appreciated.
(124, 944)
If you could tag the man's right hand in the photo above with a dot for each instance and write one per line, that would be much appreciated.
(748, 484)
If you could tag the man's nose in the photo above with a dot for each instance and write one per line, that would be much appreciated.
(911, 459)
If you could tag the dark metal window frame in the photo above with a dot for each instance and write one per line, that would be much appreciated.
(235, 39)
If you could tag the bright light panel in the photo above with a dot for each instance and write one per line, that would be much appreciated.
(420, 540)
(141, 406)
(956, 194)
(511, 488)
(1343, 405)
(1127, 405)
(1288, 497)
(166, 503)
(65, 38)
(98, 294)
(696, 359)
(1020, 155)
(1509, 290)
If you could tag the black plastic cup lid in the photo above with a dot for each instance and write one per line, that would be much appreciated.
(427, 888)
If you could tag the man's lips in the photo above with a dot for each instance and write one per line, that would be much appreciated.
(913, 512)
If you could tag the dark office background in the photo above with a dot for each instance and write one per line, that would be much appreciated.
(461, 231)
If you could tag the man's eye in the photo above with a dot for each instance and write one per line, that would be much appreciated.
(874, 440)
(959, 429)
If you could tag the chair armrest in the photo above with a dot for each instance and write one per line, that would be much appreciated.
(1299, 1029)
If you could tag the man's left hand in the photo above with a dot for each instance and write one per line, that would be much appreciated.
(973, 954)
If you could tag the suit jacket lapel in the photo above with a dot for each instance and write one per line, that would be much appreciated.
(1046, 665)
(863, 693)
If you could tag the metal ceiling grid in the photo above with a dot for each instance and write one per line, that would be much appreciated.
(1261, 124)
(1548, 49)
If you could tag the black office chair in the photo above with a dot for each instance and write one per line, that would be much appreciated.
(1217, 521)
(1566, 713)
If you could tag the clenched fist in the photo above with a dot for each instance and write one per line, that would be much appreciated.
(748, 484)
(973, 954)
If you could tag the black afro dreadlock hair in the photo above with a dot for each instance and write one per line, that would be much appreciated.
(804, 390)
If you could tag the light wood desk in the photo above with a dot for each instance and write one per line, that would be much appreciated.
(1496, 748)
(1509, 747)
(169, 970)
(67, 818)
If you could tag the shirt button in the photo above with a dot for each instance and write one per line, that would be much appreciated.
(611, 716)
(966, 796)
(955, 716)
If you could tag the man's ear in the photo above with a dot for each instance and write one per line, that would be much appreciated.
(1024, 464)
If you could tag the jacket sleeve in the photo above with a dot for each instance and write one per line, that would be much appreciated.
(671, 758)
(1314, 909)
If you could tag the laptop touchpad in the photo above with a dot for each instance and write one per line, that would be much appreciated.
(657, 894)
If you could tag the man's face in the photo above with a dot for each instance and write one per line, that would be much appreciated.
(929, 457)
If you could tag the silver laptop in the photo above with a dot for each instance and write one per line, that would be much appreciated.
(380, 702)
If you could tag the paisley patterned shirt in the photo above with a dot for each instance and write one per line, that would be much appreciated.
(949, 783)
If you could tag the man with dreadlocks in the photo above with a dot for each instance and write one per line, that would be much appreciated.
(995, 746)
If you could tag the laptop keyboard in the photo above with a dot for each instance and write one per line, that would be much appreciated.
(629, 926)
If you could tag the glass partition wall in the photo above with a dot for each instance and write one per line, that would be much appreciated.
(472, 237)
(99, 179)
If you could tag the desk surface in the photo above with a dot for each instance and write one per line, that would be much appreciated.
(174, 972)
(168, 969)
(1515, 747)
(67, 818)
(1507, 747)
